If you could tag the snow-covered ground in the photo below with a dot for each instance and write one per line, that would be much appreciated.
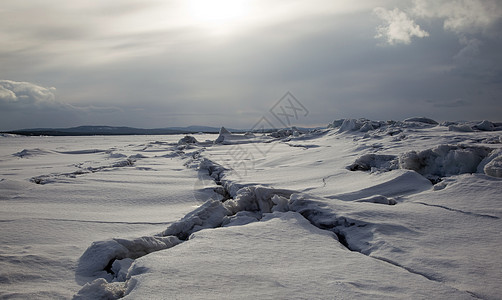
(362, 209)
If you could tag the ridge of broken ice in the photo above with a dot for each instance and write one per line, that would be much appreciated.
(441, 161)
(366, 125)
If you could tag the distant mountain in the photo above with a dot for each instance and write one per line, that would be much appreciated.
(123, 130)
(113, 130)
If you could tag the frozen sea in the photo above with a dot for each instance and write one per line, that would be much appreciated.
(363, 209)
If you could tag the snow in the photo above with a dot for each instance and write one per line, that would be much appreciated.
(281, 256)
(46, 228)
(363, 209)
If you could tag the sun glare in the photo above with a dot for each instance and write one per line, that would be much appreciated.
(217, 15)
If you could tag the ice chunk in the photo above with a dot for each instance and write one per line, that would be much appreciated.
(101, 289)
(494, 168)
(257, 198)
(208, 215)
(280, 203)
(374, 162)
(120, 267)
(226, 138)
(492, 165)
(349, 125)
(224, 133)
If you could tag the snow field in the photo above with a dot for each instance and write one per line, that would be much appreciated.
(364, 209)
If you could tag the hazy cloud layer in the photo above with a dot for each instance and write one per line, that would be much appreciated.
(155, 63)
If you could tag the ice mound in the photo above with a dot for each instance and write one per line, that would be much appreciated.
(485, 126)
(394, 127)
(441, 161)
(445, 160)
(467, 126)
(25, 153)
(361, 125)
(188, 139)
(282, 133)
(422, 120)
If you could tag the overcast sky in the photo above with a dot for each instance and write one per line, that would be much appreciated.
(158, 63)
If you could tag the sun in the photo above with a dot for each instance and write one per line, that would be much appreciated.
(217, 14)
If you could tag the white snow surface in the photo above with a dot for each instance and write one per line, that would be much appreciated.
(361, 210)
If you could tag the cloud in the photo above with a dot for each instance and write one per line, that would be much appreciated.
(399, 27)
(25, 93)
(461, 16)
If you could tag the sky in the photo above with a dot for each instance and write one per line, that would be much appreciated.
(236, 63)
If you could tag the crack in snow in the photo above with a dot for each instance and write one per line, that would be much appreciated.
(50, 178)
(458, 210)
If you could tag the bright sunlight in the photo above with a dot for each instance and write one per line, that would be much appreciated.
(217, 15)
